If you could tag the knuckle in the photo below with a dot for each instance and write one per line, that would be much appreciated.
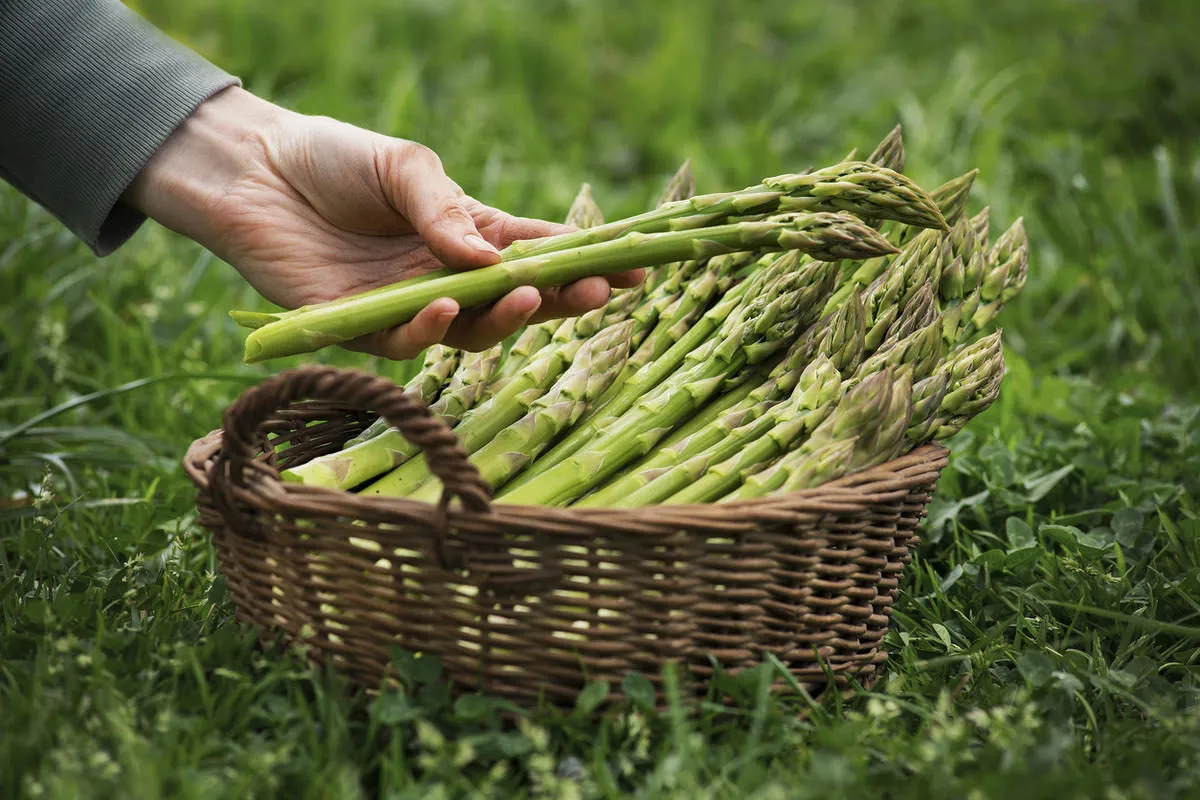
(454, 214)
(421, 156)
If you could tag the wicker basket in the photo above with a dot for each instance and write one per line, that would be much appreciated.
(531, 603)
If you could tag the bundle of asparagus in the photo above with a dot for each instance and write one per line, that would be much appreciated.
(796, 331)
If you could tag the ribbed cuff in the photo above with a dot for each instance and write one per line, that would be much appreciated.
(88, 92)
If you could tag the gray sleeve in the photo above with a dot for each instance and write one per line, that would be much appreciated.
(88, 92)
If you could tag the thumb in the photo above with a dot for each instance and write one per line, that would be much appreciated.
(418, 187)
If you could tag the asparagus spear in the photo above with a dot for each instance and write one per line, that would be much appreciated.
(922, 350)
(673, 323)
(927, 396)
(824, 235)
(353, 465)
(439, 363)
(511, 435)
(920, 310)
(858, 413)
(980, 223)
(583, 213)
(975, 372)
(840, 448)
(762, 326)
(781, 381)
(916, 354)
(1003, 272)
(859, 187)
(837, 338)
(507, 405)
(950, 198)
(498, 455)
(717, 468)
(673, 338)
(681, 186)
(884, 299)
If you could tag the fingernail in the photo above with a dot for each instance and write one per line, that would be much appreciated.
(479, 243)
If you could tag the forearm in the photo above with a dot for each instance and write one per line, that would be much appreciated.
(88, 93)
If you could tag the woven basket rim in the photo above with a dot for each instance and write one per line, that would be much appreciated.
(882, 483)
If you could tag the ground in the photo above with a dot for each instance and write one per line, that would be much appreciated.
(1046, 640)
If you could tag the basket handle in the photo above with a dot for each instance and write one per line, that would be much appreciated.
(353, 389)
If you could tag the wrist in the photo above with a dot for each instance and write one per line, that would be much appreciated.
(222, 141)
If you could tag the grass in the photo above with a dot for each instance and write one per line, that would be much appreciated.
(1047, 638)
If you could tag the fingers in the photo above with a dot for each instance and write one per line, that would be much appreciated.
(442, 321)
(421, 191)
(478, 329)
(573, 299)
(626, 280)
(511, 229)
(428, 327)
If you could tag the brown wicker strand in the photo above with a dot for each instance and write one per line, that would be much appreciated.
(244, 435)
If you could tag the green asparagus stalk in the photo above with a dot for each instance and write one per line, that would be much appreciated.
(438, 364)
(858, 414)
(500, 455)
(719, 417)
(673, 338)
(830, 236)
(717, 468)
(821, 460)
(838, 459)
(915, 354)
(921, 350)
(861, 188)
(556, 332)
(950, 197)
(583, 213)
(506, 406)
(764, 325)
(352, 465)
(672, 325)
(663, 295)
(681, 186)
(838, 337)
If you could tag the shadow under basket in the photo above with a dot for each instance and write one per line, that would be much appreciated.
(532, 603)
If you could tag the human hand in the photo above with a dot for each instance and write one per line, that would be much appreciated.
(309, 209)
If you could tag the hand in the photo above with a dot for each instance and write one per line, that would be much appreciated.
(308, 209)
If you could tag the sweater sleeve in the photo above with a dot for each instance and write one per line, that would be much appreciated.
(88, 92)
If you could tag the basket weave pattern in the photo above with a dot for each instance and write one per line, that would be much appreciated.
(528, 602)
